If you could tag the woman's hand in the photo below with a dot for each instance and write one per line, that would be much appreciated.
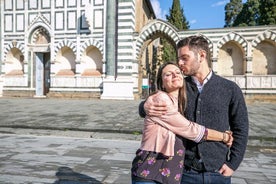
(228, 138)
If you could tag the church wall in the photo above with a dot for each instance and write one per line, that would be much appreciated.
(239, 42)
(70, 37)
(70, 32)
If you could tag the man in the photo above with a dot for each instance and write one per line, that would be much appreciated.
(214, 102)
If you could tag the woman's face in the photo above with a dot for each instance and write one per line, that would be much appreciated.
(172, 78)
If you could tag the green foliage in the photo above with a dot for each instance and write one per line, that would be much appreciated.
(169, 53)
(253, 13)
(136, 133)
(267, 12)
(177, 18)
(232, 10)
(249, 15)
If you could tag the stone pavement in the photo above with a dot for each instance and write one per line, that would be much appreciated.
(93, 141)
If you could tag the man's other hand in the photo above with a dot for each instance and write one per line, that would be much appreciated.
(154, 108)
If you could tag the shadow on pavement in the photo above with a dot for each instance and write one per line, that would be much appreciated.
(66, 175)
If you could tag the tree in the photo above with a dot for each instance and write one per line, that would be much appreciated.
(232, 10)
(177, 18)
(249, 16)
(267, 12)
(253, 13)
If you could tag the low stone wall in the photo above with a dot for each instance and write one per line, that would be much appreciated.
(253, 98)
(18, 93)
(250, 98)
(54, 94)
(261, 83)
(73, 94)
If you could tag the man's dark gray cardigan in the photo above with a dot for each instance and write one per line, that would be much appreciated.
(219, 106)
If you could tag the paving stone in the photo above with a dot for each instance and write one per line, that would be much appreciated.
(60, 141)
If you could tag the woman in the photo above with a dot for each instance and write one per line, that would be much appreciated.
(160, 156)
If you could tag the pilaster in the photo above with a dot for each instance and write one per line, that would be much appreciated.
(248, 70)
(214, 63)
(114, 87)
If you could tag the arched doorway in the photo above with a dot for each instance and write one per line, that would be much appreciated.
(149, 51)
(40, 48)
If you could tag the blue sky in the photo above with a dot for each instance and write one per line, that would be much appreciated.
(201, 14)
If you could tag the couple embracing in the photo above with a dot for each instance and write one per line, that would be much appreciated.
(195, 128)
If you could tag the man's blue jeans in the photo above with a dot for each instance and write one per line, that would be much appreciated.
(143, 182)
(194, 177)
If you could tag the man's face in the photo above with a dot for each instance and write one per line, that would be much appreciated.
(188, 61)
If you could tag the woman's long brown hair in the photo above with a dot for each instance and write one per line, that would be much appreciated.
(182, 96)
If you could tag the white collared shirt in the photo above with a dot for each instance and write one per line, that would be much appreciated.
(199, 85)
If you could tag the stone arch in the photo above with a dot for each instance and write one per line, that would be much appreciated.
(91, 62)
(91, 42)
(155, 27)
(233, 37)
(13, 44)
(231, 60)
(39, 26)
(65, 43)
(40, 36)
(91, 58)
(14, 62)
(211, 45)
(65, 64)
(211, 48)
(269, 35)
(263, 54)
